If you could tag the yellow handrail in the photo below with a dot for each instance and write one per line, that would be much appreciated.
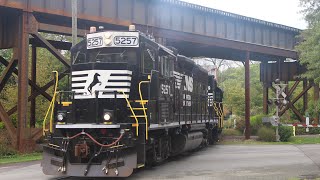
(134, 115)
(219, 112)
(51, 107)
(144, 110)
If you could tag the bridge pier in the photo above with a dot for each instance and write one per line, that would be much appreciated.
(247, 95)
(21, 52)
(265, 98)
(33, 89)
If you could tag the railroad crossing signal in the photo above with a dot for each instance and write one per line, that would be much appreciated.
(280, 89)
(280, 94)
(275, 120)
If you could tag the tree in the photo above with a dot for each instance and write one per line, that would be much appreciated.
(309, 47)
(233, 85)
(215, 66)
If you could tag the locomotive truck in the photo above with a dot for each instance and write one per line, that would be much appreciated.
(132, 102)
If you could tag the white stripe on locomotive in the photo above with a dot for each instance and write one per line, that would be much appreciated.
(101, 83)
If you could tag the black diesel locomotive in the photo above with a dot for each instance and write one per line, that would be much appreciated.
(133, 103)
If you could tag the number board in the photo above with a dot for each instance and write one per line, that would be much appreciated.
(112, 39)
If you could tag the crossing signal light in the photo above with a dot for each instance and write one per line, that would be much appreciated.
(277, 102)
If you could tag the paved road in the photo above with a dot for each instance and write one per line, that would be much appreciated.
(215, 162)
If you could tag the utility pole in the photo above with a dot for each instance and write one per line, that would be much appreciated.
(277, 114)
(74, 22)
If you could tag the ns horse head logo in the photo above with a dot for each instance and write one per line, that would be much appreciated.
(94, 82)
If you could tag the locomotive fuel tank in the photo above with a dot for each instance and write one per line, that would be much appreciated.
(186, 142)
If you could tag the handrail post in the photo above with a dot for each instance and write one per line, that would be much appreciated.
(143, 107)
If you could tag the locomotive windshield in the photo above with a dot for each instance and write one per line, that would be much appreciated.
(106, 55)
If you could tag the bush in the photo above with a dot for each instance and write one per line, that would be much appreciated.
(241, 125)
(313, 130)
(266, 134)
(6, 148)
(256, 123)
(285, 133)
(302, 131)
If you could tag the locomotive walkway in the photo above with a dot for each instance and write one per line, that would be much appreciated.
(216, 162)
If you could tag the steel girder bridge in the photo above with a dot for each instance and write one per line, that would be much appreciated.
(193, 29)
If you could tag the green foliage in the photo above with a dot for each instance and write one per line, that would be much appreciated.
(232, 82)
(304, 140)
(6, 148)
(309, 51)
(309, 48)
(18, 158)
(285, 133)
(231, 132)
(314, 130)
(302, 131)
(311, 11)
(314, 108)
(241, 125)
(266, 134)
(256, 123)
(6, 53)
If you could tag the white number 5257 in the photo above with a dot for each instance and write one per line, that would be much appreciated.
(126, 41)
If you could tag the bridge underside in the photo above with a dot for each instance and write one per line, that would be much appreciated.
(223, 37)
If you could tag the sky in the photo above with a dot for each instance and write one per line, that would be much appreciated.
(284, 12)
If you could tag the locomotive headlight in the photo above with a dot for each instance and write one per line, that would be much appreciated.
(107, 116)
(60, 116)
(215, 121)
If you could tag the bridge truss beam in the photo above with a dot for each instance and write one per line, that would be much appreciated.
(24, 134)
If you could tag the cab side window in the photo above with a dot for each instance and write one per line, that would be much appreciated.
(166, 65)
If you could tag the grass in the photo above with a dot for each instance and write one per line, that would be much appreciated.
(20, 158)
(231, 132)
(292, 140)
(305, 140)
